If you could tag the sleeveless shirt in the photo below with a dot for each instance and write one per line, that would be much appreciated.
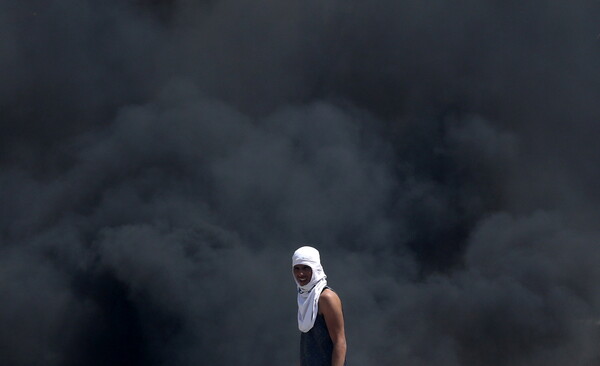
(316, 346)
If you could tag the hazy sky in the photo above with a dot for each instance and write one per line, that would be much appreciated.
(160, 161)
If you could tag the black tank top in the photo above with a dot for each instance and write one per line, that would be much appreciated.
(316, 346)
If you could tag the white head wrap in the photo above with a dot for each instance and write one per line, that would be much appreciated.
(308, 295)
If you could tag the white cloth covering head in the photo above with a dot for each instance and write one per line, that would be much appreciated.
(308, 295)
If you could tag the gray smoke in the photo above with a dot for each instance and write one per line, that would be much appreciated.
(161, 160)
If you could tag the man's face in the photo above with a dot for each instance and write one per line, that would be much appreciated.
(303, 274)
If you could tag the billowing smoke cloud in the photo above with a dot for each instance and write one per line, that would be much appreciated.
(161, 160)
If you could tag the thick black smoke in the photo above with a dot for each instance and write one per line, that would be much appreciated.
(161, 160)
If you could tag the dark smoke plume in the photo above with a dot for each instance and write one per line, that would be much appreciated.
(160, 160)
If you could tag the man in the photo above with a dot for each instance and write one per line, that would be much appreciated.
(320, 317)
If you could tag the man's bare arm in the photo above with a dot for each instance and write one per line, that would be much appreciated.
(331, 308)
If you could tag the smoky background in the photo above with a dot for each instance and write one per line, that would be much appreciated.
(161, 160)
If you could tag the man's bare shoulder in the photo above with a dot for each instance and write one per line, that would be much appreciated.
(330, 306)
(329, 296)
